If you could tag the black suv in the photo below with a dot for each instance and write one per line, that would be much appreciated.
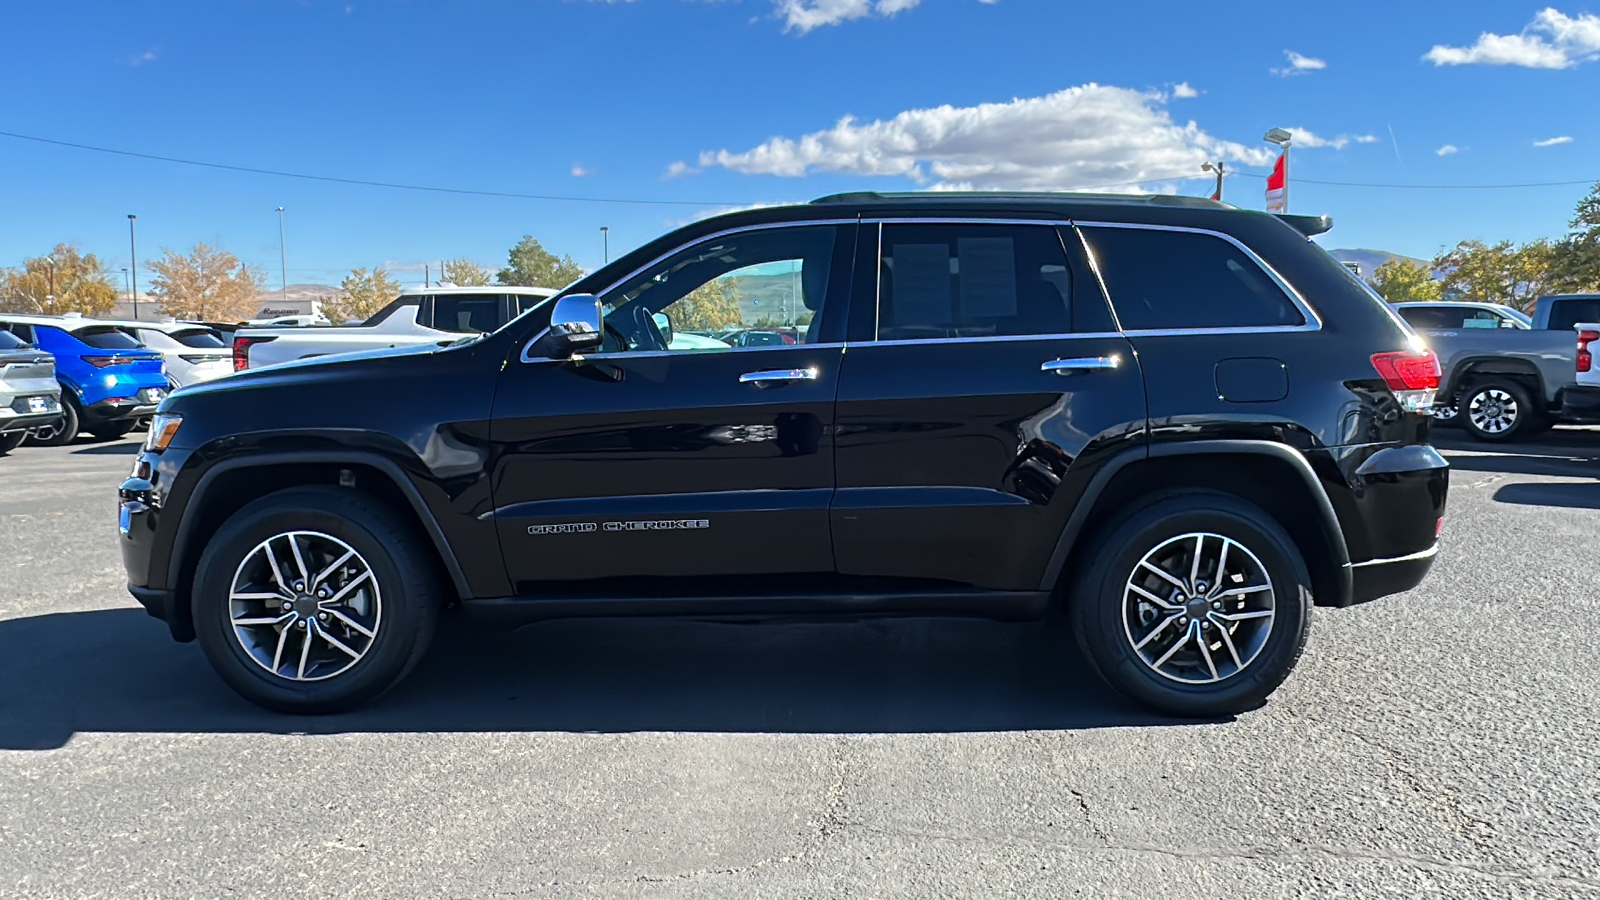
(1179, 423)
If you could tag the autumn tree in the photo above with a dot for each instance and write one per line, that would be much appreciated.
(361, 293)
(61, 281)
(1497, 273)
(713, 306)
(1399, 280)
(1575, 259)
(465, 272)
(207, 283)
(530, 264)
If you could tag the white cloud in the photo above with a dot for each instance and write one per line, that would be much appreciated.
(1304, 137)
(579, 171)
(681, 168)
(1299, 64)
(804, 15)
(1553, 40)
(1447, 150)
(1091, 136)
(142, 58)
(1551, 142)
(1366, 139)
(1182, 90)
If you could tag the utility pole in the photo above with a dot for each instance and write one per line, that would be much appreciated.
(283, 259)
(427, 275)
(133, 260)
(1219, 167)
(605, 238)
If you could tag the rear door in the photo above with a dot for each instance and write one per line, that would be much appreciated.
(991, 369)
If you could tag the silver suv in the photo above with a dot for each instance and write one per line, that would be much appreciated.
(29, 393)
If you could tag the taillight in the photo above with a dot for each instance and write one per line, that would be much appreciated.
(241, 350)
(1585, 358)
(1411, 375)
(100, 362)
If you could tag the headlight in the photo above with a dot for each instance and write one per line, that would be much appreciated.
(163, 428)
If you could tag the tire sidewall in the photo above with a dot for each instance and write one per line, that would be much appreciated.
(1518, 393)
(384, 663)
(1098, 605)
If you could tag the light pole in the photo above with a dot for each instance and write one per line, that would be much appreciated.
(50, 294)
(133, 260)
(1218, 168)
(605, 239)
(1282, 138)
(283, 259)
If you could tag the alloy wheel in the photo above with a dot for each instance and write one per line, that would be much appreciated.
(1493, 411)
(305, 606)
(1198, 608)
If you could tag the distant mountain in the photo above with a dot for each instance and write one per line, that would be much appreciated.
(1370, 260)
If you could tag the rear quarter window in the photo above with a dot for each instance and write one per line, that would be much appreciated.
(1566, 313)
(1161, 279)
(9, 341)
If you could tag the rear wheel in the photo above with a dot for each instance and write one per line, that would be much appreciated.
(315, 600)
(10, 442)
(63, 431)
(1497, 409)
(1197, 604)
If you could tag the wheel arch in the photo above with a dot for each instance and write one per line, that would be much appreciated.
(1466, 371)
(230, 484)
(1273, 476)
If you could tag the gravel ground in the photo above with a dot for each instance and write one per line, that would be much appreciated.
(1439, 743)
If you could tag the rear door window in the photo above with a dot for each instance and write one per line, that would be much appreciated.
(1161, 279)
(23, 331)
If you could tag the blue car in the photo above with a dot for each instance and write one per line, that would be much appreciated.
(109, 381)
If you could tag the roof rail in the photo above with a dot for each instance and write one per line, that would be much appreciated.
(865, 197)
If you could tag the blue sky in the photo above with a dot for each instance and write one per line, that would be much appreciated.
(705, 104)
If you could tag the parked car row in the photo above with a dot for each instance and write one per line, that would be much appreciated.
(62, 375)
(1506, 375)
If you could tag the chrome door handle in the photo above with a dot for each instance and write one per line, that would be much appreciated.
(771, 376)
(1081, 364)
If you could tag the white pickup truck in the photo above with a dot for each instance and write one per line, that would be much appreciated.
(439, 314)
(1581, 402)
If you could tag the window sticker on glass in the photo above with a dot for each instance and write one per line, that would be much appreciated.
(988, 277)
(921, 282)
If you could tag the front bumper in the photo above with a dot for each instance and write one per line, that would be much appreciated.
(1581, 403)
(143, 545)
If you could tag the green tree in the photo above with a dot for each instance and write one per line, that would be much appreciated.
(712, 306)
(63, 280)
(465, 272)
(361, 293)
(530, 264)
(1575, 259)
(1399, 280)
(1497, 273)
(206, 283)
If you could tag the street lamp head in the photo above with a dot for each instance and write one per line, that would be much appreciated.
(280, 209)
(1207, 167)
(1278, 136)
(131, 217)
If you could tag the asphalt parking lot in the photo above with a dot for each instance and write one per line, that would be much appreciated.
(1439, 743)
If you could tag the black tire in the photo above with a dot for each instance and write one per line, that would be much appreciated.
(11, 441)
(401, 562)
(62, 434)
(1096, 603)
(1497, 410)
(110, 431)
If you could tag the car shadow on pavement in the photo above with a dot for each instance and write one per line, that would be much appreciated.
(117, 447)
(1563, 496)
(1560, 453)
(117, 671)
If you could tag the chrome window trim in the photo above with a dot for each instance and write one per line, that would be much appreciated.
(759, 226)
(1313, 321)
(988, 338)
(676, 354)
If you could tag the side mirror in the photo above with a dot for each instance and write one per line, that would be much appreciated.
(664, 323)
(575, 323)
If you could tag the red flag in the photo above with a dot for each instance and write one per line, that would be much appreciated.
(1278, 185)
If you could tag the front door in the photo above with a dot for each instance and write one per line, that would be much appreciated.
(993, 367)
(698, 440)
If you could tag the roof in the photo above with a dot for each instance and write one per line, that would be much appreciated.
(66, 323)
(1411, 304)
(478, 289)
(1042, 198)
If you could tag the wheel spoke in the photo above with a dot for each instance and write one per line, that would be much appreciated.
(1222, 567)
(364, 630)
(277, 655)
(1240, 617)
(265, 598)
(1253, 589)
(1160, 627)
(300, 562)
(1205, 651)
(323, 633)
(272, 560)
(332, 567)
(1153, 598)
(305, 650)
(1227, 641)
(346, 589)
(1174, 580)
(1177, 645)
(1194, 565)
(266, 620)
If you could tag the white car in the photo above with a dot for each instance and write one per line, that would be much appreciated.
(190, 353)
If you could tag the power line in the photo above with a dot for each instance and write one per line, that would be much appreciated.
(1437, 187)
(358, 181)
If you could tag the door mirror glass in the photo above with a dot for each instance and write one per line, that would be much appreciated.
(575, 324)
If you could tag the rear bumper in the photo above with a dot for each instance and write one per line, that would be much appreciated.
(1381, 577)
(14, 423)
(117, 409)
(1581, 403)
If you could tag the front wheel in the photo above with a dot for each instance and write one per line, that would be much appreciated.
(1497, 409)
(315, 600)
(1197, 604)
